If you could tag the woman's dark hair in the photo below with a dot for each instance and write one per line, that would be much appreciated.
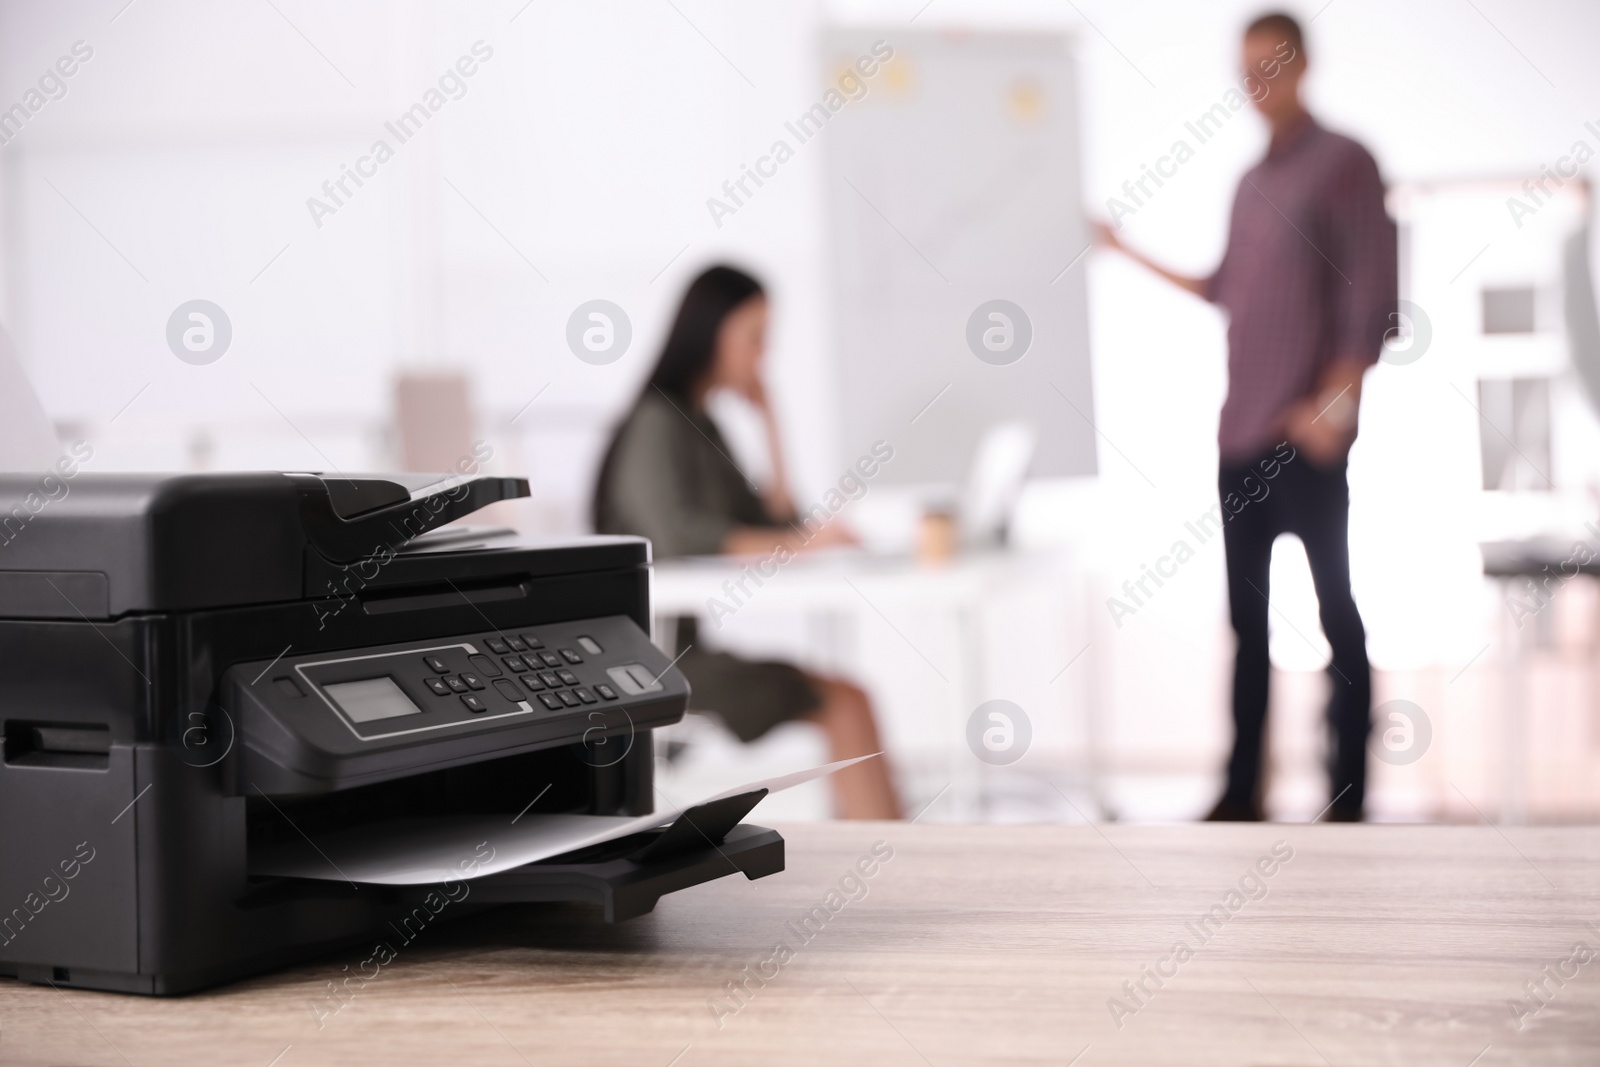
(687, 355)
(691, 346)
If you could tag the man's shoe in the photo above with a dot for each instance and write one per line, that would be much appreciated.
(1233, 811)
(1343, 815)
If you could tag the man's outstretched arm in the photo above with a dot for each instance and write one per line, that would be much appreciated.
(1106, 237)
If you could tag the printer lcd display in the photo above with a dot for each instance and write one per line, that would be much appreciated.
(371, 699)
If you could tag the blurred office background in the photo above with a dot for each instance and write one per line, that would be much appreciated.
(430, 308)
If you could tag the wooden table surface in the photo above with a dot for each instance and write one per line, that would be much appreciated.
(972, 944)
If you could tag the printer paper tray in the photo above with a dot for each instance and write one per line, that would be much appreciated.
(423, 850)
(614, 877)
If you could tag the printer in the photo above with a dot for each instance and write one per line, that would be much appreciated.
(200, 670)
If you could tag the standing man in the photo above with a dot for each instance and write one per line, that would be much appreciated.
(1309, 284)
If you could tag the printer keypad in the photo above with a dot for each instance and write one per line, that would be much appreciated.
(546, 672)
(496, 675)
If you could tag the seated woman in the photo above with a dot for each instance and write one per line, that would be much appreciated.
(668, 476)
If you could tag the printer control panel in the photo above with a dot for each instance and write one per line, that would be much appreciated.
(477, 679)
(557, 683)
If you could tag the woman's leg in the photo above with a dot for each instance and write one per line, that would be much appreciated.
(863, 791)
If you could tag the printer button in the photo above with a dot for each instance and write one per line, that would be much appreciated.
(551, 680)
(533, 642)
(508, 689)
(497, 646)
(473, 681)
(571, 656)
(485, 666)
(606, 691)
(549, 700)
(474, 703)
(438, 686)
(532, 682)
(567, 677)
(567, 698)
(517, 644)
(585, 696)
(436, 665)
(550, 659)
(515, 663)
(456, 684)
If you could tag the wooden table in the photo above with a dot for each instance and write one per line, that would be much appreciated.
(973, 944)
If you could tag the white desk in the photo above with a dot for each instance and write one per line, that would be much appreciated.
(832, 589)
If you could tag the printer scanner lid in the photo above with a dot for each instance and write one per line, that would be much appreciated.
(103, 545)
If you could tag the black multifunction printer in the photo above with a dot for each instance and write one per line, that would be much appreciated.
(199, 669)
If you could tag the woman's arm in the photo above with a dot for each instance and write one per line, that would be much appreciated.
(779, 502)
(776, 496)
(764, 540)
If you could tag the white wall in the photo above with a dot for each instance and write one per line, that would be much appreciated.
(193, 138)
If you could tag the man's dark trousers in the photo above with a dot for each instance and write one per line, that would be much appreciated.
(1312, 503)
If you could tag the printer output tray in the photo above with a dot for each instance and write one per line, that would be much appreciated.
(626, 876)
(623, 880)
